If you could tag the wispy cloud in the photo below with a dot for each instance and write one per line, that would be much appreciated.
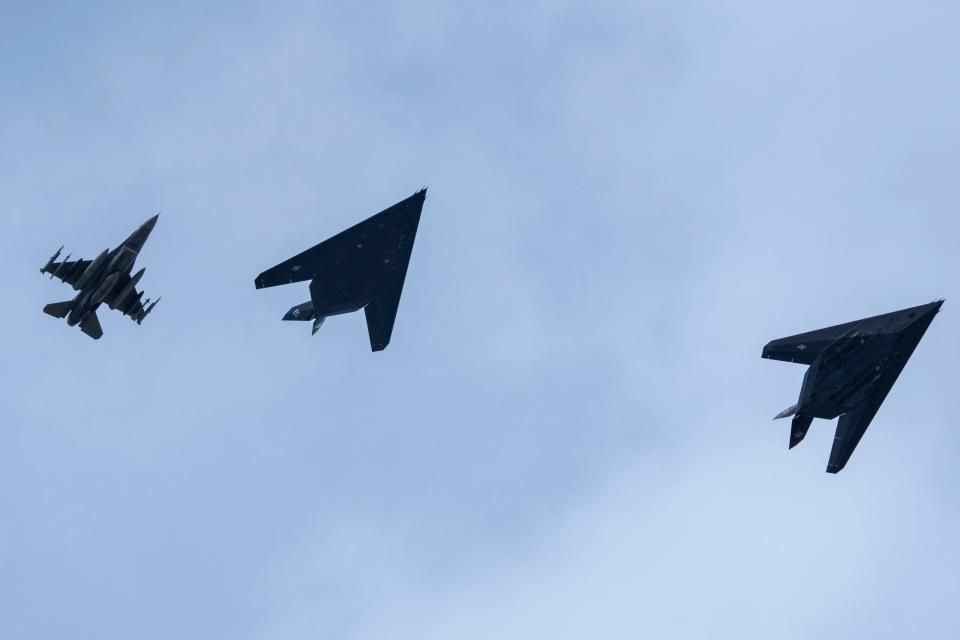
(569, 435)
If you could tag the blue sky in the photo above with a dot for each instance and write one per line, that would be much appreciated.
(570, 433)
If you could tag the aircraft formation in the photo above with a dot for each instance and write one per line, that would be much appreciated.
(852, 366)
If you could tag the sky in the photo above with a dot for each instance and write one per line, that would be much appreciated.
(569, 435)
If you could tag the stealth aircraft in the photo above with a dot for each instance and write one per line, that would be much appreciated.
(363, 267)
(852, 368)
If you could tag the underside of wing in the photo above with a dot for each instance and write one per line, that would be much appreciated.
(351, 251)
(324, 257)
(68, 271)
(805, 347)
(132, 306)
(381, 314)
(851, 427)
(299, 268)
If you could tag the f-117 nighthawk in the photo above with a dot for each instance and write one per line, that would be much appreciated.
(852, 368)
(105, 279)
(363, 267)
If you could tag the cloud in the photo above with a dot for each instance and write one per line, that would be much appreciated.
(656, 549)
(569, 434)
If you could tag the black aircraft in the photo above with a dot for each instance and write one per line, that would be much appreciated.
(852, 368)
(105, 279)
(361, 268)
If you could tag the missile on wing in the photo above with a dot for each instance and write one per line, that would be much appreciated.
(52, 259)
(147, 311)
(60, 267)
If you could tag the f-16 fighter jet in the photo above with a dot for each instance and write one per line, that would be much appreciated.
(105, 279)
(361, 268)
(852, 368)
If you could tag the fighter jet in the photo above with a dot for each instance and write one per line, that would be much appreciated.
(852, 368)
(105, 279)
(363, 267)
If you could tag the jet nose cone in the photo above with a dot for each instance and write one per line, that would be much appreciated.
(932, 309)
(139, 237)
(923, 316)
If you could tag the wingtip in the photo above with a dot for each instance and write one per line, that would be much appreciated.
(833, 467)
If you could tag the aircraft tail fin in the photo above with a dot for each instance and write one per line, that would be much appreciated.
(91, 326)
(798, 429)
(304, 312)
(58, 309)
(301, 312)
